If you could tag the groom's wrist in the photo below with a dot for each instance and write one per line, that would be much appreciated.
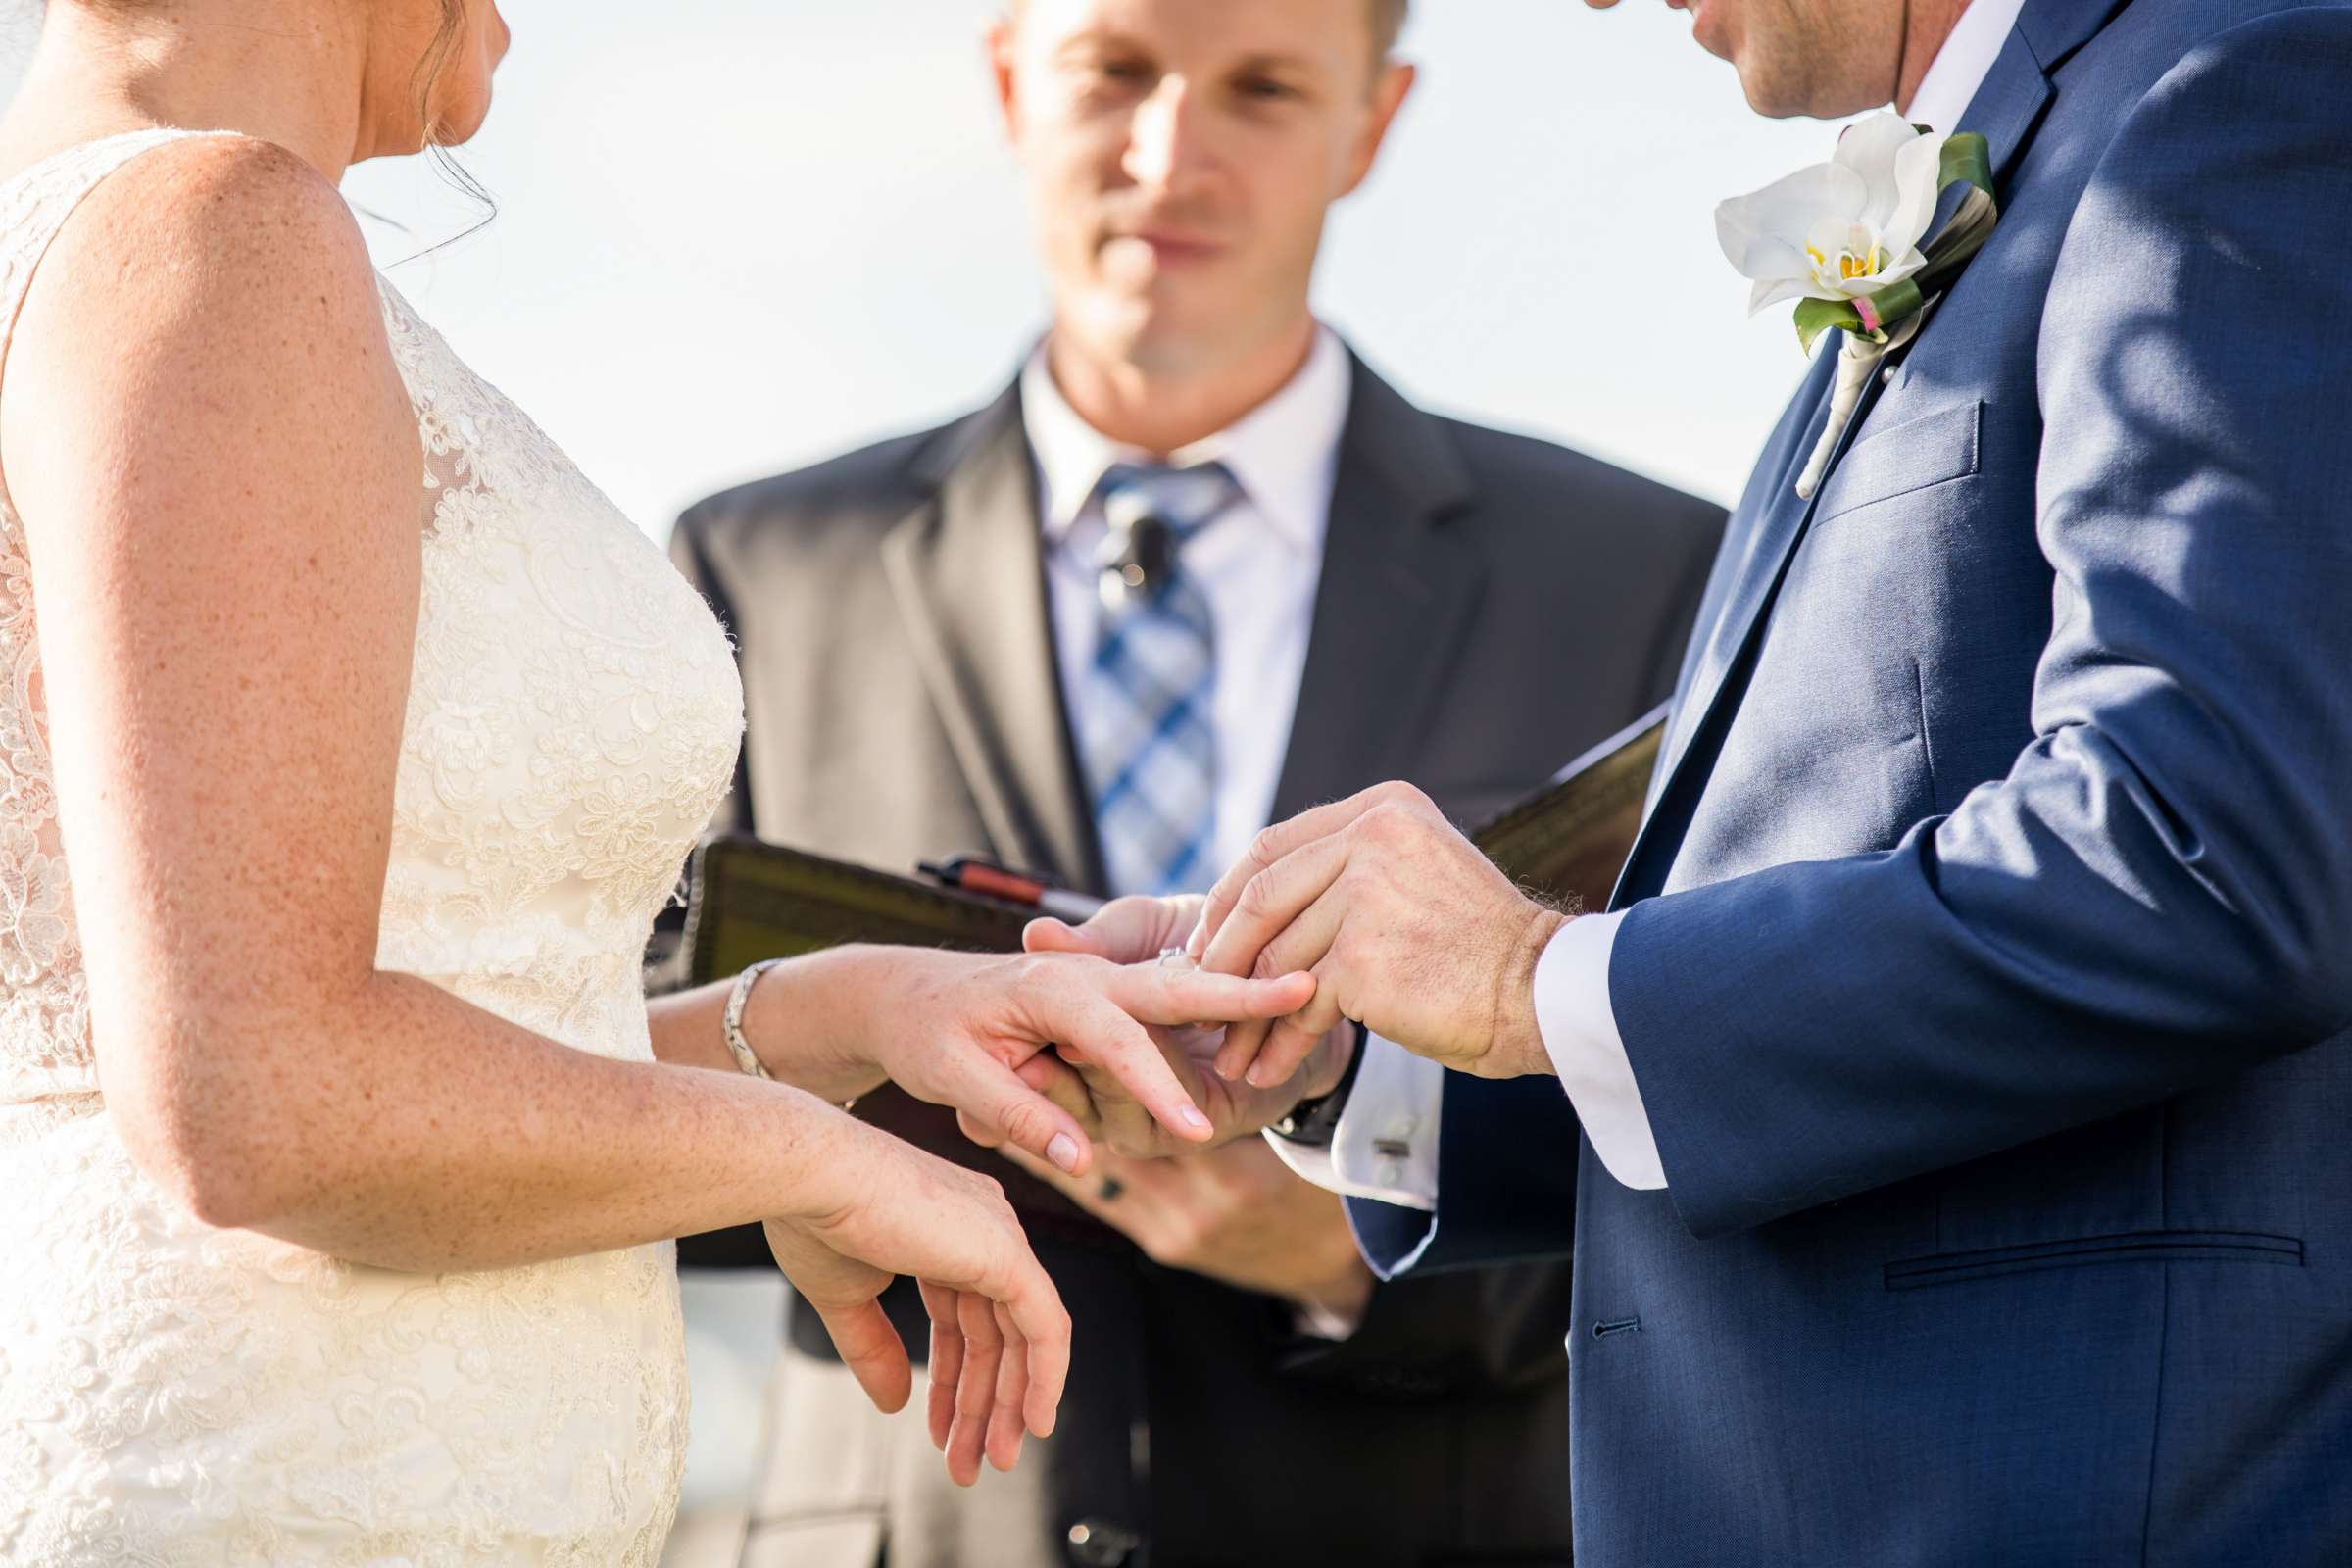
(1517, 1050)
(1314, 1119)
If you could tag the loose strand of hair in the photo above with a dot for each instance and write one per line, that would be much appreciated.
(456, 174)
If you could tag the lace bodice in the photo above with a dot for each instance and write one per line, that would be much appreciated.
(172, 1393)
(572, 719)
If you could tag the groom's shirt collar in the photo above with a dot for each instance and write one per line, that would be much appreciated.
(1963, 62)
(1283, 452)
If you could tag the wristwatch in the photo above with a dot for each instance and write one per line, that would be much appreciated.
(1313, 1123)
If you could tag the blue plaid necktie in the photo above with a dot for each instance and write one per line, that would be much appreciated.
(1146, 736)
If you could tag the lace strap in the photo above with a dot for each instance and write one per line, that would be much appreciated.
(46, 196)
(40, 203)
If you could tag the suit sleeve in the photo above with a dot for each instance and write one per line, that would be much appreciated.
(2158, 894)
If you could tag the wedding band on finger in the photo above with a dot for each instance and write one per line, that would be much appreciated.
(1176, 960)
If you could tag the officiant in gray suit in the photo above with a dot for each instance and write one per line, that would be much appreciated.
(1197, 568)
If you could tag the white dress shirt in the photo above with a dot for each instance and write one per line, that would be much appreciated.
(1258, 564)
(1386, 1145)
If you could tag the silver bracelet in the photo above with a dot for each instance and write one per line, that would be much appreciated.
(731, 1024)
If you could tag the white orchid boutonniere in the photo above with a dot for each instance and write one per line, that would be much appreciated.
(1847, 241)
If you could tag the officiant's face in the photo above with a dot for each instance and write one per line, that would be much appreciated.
(1824, 57)
(1182, 155)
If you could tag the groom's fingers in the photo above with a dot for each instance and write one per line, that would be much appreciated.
(1306, 943)
(1239, 1049)
(1303, 944)
(1291, 1043)
(1270, 902)
(1279, 840)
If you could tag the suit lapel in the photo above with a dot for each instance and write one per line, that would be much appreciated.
(1396, 590)
(967, 572)
(2007, 109)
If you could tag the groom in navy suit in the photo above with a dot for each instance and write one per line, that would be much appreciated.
(1951, 1118)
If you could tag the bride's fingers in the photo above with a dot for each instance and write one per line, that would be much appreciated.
(1109, 1037)
(995, 1105)
(1004, 1429)
(975, 1388)
(1034, 1307)
(947, 1361)
(1173, 997)
(870, 1347)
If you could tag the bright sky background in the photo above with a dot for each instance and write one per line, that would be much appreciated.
(737, 236)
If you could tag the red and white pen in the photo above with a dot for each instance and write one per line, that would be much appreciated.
(970, 874)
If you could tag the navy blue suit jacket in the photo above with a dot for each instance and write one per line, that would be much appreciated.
(1988, 965)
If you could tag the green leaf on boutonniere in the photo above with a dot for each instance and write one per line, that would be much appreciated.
(1816, 317)
(1967, 160)
(1885, 308)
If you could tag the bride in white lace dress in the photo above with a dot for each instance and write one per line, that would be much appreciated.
(338, 1145)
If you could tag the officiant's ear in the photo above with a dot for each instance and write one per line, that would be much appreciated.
(1392, 83)
(999, 41)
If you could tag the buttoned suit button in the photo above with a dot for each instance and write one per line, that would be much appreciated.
(1096, 1544)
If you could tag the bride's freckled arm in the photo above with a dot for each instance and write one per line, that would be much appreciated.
(225, 510)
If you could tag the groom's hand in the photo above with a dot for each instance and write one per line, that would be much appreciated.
(1407, 928)
(1136, 930)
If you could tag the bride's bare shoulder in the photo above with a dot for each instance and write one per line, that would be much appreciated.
(205, 295)
(191, 246)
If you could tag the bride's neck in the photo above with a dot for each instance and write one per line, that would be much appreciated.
(290, 72)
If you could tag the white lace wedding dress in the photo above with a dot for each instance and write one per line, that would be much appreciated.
(174, 1394)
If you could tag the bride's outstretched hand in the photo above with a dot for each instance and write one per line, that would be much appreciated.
(999, 1337)
(958, 1029)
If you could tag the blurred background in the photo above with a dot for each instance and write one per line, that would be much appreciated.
(732, 236)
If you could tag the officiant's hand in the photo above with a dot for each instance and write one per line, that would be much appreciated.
(1406, 927)
(1235, 1214)
(1128, 931)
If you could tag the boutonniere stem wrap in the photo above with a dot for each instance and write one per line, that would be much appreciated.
(1844, 239)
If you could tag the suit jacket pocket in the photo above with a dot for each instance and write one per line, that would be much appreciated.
(2133, 1247)
(1929, 450)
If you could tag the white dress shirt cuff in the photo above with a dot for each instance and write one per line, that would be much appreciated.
(1579, 1025)
(1386, 1145)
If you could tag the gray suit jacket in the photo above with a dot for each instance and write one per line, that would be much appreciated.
(1489, 607)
